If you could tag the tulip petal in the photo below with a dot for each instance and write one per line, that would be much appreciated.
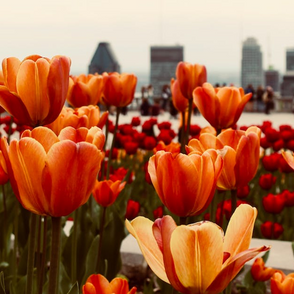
(288, 157)
(231, 269)
(198, 255)
(162, 231)
(100, 283)
(89, 288)
(239, 232)
(14, 105)
(57, 83)
(27, 159)
(34, 95)
(65, 160)
(10, 68)
(244, 100)
(141, 229)
(44, 136)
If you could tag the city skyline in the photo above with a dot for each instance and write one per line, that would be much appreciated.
(211, 33)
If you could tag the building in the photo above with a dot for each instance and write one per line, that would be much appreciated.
(272, 79)
(287, 85)
(104, 60)
(251, 67)
(290, 59)
(164, 61)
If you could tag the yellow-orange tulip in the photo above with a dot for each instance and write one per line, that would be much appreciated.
(34, 89)
(239, 150)
(85, 116)
(119, 89)
(259, 272)
(221, 107)
(282, 284)
(180, 102)
(98, 284)
(197, 258)
(53, 175)
(189, 77)
(289, 158)
(185, 183)
(85, 90)
(106, 192)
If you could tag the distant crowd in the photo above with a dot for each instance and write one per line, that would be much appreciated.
(262, 100)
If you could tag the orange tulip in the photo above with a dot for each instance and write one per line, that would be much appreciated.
(173, 147)
(189, 77)
(239, 150)
(106, 192)
(185, 183)
(282, 284)
(35, 88)
(259, 272)
(119, 89)
(53, 175)
(85, 90)
(85, 116)
(98, 284)
(179, 101)
(289, 158)
(220, 107)
(197, 258)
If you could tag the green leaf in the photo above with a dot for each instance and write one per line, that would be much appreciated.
(74, 289)
(91, 259)
(266, 255)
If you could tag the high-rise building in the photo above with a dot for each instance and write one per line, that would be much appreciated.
(104, 60)
(251, 69)
(290, 59)
(164, 60)
(272, 79)
(287, 86)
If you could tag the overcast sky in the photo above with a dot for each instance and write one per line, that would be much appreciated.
(211, 31)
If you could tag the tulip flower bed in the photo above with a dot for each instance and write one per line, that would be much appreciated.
(175, 191)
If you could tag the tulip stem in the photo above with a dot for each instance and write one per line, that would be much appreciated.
(183, 132)
(5, 220)
(43, 259)
(31, 253)
(104, 148)
(55, 256)
(74, 247)
(233, 200)
(113, 141)
(14, 256)
(183, 220)
(189, 120)
(102, 222)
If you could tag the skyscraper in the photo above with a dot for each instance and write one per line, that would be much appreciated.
(290, 59)
(251, 71)
(164, 61)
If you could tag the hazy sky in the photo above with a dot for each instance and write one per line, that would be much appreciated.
(211, 31)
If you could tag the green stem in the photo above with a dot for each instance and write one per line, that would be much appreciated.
(183, 220)
(4, 221)
(113, 141)
(43, 260)
(55, 256)
(189, 120)
(228, 290)
(31, 254)
(74, 247)
(183, 132)
(104, 148)
(15, 232)
(233, 200)
(102, 222)
(38, 261)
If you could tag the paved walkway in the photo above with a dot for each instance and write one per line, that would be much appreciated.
(245, 119)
